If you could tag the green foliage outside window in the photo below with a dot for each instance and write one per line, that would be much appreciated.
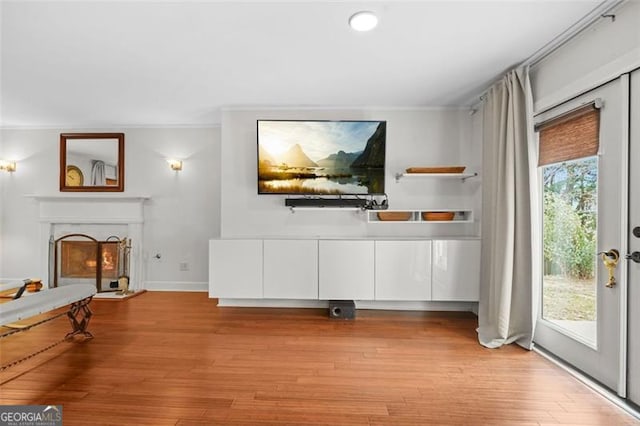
(570, 215)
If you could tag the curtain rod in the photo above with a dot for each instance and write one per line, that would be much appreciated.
(601, 11)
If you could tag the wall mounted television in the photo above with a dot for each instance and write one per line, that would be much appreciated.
(315, 158)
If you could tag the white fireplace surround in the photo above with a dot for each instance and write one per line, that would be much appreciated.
(83, 213)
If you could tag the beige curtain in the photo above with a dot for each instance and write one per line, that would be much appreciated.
(506, 312)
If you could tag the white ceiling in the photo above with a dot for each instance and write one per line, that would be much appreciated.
(163, 63)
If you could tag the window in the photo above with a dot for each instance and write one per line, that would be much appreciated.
(568, 147)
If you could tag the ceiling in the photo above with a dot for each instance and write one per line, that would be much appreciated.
(164, 63)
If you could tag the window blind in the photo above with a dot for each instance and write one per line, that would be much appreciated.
(570, 136)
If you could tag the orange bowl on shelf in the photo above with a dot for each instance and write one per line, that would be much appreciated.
(439, 169)
(438, 216)
(394, 216)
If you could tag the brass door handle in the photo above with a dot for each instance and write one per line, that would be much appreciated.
(610, 260)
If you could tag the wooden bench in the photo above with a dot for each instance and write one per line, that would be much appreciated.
(76, 296)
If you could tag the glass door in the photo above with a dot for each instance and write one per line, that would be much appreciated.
(583, 177)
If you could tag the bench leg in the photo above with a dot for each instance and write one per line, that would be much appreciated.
(79, 315)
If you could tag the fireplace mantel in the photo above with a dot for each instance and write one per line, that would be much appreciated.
(94, 208)
(80, 209)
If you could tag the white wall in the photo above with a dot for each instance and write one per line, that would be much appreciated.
(414, 138)
(182, 214)
(598, 54)
(216, 195)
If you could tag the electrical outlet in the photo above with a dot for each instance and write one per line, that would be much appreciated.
(184, 266)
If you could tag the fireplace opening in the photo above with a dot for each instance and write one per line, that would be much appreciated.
(81, 259)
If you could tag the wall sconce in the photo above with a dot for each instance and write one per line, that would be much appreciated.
(175, 164)
(8, 166)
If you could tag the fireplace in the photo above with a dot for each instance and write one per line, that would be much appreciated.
(80, 258)
(99, 216)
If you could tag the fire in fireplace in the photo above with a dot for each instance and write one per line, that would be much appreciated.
(80, 258)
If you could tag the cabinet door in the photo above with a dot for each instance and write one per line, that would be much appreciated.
(291, 269)
(403, 270)
(235, 269)
(456, 270)
(346, 270)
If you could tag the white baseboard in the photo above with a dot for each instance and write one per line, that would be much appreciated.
(476, 308)
(176, 286)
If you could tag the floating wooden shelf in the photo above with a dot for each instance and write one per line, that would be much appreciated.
(463, 176)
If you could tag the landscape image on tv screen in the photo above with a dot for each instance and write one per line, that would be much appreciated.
(321, 157)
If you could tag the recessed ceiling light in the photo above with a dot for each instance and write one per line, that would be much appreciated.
(363, 21)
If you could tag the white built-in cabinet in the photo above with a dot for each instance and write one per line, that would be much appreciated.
(290, 269)
(235, 269)
(455, 270)
(346, 270)
(403, 270)
(381, 270)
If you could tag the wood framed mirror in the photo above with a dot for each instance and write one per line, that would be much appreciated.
(92, 162)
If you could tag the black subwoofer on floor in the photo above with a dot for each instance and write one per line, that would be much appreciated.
(342, 309)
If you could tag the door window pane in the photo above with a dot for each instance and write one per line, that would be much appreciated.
(570, 201)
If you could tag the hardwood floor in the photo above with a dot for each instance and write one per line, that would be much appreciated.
(177, 359)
